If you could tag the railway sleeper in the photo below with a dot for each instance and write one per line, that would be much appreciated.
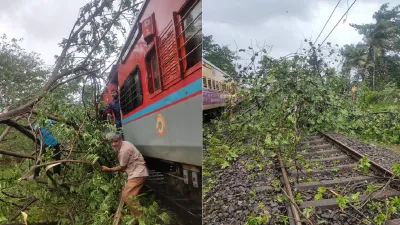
(325, 171)
(331, 202)
(322, 152)
(393, 222)
(330, 183)
(335, 158)
(318, 147)
(313, 137)
(314, 142)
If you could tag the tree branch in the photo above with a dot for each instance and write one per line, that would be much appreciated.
(33, 200)
(15, 154)
(12, 203)
(72, 78)
(78, 68)
(20, 128)
(73, 35)
(76, 137)
(18, 111)
(55, 162)
(56, 118)
(5, 132)
(8, 128)
(94, 48)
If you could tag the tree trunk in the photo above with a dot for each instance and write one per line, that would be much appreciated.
(373, 74)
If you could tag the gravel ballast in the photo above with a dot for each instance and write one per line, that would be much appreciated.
(383, 156)
(240, 192)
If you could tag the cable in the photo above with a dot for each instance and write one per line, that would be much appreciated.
(327, 22)
(337, 24)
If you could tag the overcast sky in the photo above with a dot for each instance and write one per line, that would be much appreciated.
(41, 23)
(281, 23)
(284, 23)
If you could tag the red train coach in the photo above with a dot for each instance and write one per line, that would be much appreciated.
(158, 75)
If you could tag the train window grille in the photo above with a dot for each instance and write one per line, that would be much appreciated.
(191, 31)
(131, 95)
(205, 82)
(217, 85)
(213, 84)
(224, 87)
(209, 83)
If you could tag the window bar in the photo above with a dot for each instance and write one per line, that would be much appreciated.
(191, 51)
(165, 38)
(134, 98)
(133, 83)
(189, 39)
(195, 19)
(187, 12)
(170, 23)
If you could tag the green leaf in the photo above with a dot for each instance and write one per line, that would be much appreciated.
(105, 187)
(396, 169)
(224, 165)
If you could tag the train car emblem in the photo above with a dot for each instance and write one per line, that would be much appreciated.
(160, 125)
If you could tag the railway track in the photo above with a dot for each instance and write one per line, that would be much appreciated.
(326, 176)
(187, 210)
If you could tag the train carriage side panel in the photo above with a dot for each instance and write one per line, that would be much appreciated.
(164, 124)
(215, 87)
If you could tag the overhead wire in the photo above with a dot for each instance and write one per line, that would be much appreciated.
(327, 22)
(337, 24)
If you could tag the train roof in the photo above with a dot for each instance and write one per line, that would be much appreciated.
(215, 67)
(135, 27)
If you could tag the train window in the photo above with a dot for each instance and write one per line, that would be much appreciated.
(213, 84)
(209, 83)
(217, 85)
(205, 82)
(131, 95)
(153, 72)
(192, 30)
(224, 87)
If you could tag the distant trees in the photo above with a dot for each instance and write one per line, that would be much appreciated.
(376, 61)
(21, 73)
(220, 56)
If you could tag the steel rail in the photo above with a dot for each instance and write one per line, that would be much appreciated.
(356, 155)
(288, 189)
(184, 213)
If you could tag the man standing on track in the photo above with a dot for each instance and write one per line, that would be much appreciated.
(132, 162)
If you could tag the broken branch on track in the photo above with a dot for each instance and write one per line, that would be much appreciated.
(57, 162)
